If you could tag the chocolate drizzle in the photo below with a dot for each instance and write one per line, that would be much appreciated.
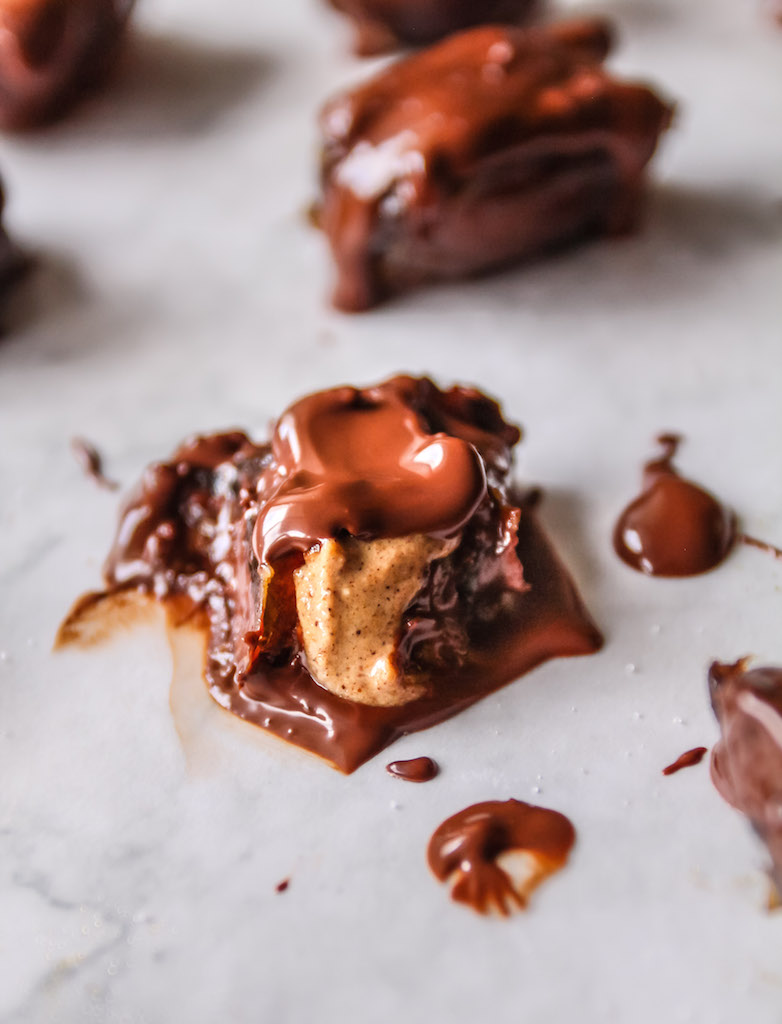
(467, 846)
(746, 763)
(188, 535)
(91, 461)
(686, 760)
(418, 769)
(674, 527)
(53, 51)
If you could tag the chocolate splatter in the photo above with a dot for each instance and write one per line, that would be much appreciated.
(468, 845)
(686, 760)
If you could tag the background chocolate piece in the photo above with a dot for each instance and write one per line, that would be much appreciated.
(384, 24)
(53, 51)
(746, 763)
(496, 145)
(13, 263)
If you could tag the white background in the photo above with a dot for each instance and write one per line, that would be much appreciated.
(181, 289)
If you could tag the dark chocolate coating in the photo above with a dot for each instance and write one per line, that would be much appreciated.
(467, 845)
(496, 145)
(746, 763)
(674, 527)
(52, 52)
(385, 24)
(497, 606)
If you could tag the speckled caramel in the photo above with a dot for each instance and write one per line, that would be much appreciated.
(350, 597)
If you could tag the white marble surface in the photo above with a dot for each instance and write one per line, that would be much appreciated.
(183, 290)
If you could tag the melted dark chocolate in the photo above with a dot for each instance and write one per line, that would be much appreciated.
(674, 527)
(366, 462)
(496, 145)
(467, 846)
(746, 763)
(686, 760)
(418, 769)
(52, 51)
(385, 24)
(91, 461)
(187, 535)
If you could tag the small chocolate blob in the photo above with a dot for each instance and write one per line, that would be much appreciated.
(686, 760)
(418, 769)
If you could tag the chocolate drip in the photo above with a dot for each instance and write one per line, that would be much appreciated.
(674, 527)
(746, 763)
(686, 760)
(418, 769)
(467, 846)
(761, 545)
(52, 51)
(91, 461)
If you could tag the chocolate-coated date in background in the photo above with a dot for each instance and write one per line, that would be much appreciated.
(52, 52)
(385, 24)
(494, 146)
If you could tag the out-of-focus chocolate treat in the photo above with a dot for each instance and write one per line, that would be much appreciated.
(13, 263)
(383, 25)
(746, 763)
(417, 769)
(686, 760)
(674, 527)
(366, 574)
(496, 145)
(52, 52)
(466, 848)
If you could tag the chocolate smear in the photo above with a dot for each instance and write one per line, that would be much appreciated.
(467, 846)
